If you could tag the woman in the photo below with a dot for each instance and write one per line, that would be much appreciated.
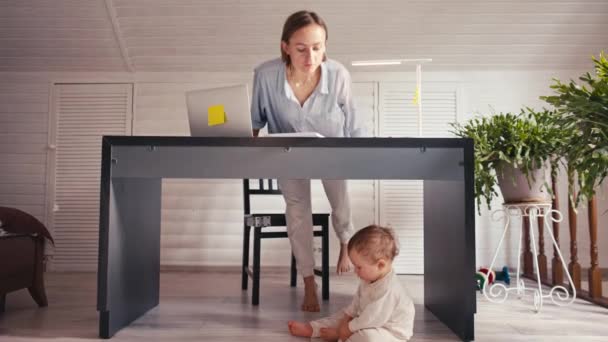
(303, 91)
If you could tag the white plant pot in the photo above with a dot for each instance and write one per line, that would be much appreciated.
(517, 188)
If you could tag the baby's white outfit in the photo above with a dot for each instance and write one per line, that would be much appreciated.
(381, 311)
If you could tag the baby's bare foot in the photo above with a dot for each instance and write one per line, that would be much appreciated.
(344, 264)
(300, 328)
(329, 334)
(311, 302)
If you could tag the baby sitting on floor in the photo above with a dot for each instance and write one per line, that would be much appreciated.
(381, 310)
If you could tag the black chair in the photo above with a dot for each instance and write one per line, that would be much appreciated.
(259, 221)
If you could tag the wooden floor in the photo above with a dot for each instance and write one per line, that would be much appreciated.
(209, 306)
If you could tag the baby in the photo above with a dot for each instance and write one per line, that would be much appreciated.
(381, 310)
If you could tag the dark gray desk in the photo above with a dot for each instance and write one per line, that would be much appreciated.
(129, 222)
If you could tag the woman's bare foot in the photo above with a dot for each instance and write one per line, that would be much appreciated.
(311, 302)
(344, 264)
(329, 334)
(300, 328)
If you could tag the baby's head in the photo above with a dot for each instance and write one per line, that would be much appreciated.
(372, 251)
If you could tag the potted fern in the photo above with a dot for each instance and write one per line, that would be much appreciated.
(584, 107)
(518, 152)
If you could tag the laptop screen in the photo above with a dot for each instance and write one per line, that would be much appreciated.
(219, 112)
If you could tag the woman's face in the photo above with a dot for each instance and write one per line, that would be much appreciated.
(306, 48)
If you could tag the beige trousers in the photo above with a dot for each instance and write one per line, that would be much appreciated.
(298, 213)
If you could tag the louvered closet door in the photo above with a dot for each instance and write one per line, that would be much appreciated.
(83, 113)
(401, 202)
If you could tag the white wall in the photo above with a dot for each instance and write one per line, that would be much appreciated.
(24, 125)
(23, 140)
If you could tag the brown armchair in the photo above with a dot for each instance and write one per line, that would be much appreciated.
(22, 255)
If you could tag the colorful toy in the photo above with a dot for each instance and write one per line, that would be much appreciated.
(480, 278)
(489, 274)
(504, 276)
(485, 275)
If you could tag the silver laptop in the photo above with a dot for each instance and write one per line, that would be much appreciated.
(219, 112)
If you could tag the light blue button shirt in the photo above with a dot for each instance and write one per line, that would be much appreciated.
(329, 110)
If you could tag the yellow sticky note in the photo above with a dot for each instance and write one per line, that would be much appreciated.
(216, 115)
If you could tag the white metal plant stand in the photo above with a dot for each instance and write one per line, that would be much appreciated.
(498, 292)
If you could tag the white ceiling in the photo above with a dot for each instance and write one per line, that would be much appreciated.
(236, 35)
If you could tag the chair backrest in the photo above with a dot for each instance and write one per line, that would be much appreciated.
(264, 187)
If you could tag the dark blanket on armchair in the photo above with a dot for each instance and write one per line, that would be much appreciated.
(16, 221)
(22, 254)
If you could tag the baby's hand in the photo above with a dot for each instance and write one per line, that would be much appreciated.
(344, 332)
(329, 334)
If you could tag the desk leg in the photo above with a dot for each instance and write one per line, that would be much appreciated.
(449, 255)
(129, 252)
